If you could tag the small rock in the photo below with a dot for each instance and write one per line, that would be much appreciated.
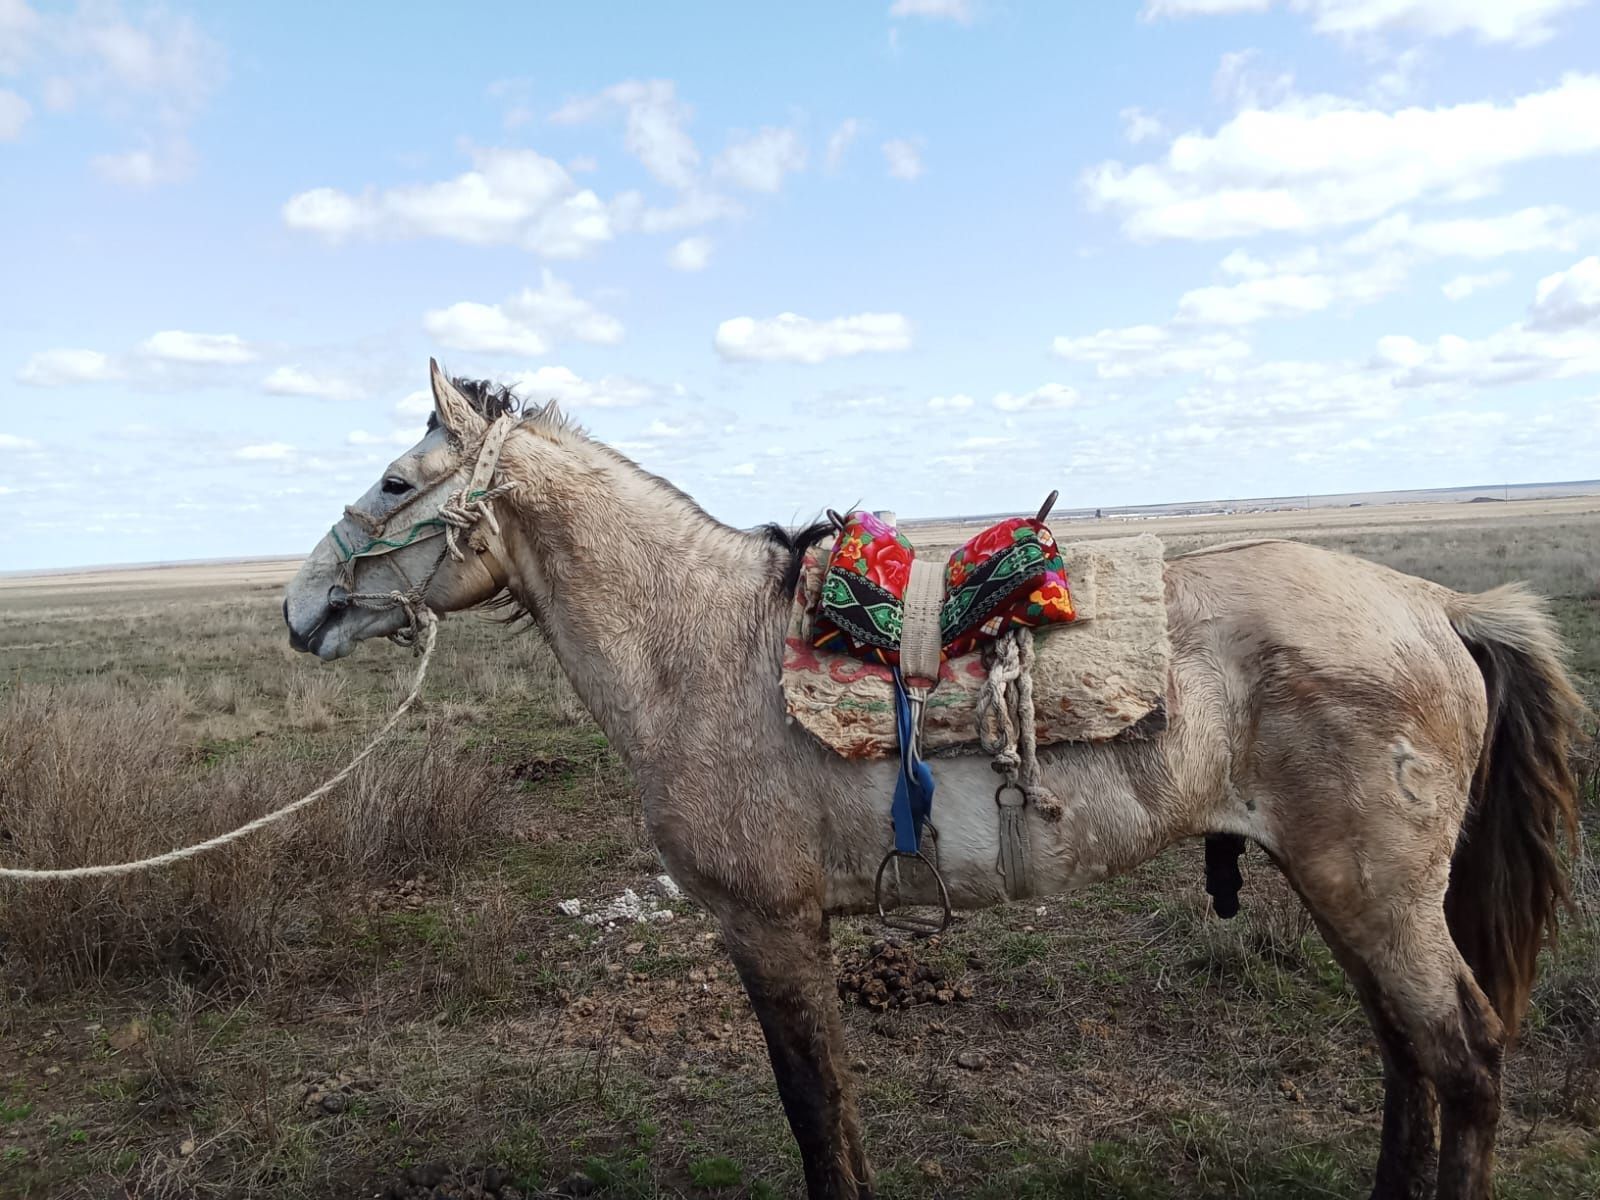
(859, 1066)
(668, 887)
(972, 1060)
(633, 948)
(334, 1103)
(186, 1147)
(570, 908)
(129, 1036)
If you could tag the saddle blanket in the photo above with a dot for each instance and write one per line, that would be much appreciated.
(1100, 677)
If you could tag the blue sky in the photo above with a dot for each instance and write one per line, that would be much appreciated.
(932, 255)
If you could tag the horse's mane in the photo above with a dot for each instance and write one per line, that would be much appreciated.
(492, 400)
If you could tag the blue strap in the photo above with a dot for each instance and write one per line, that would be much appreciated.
(913, 789)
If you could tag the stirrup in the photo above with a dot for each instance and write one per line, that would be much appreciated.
(910, 922)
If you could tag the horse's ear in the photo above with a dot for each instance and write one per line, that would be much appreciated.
(456, 414)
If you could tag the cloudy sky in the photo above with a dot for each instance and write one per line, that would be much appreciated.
(931, 255)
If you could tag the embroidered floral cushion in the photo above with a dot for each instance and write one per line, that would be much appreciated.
(862, 592)
(1009, 575)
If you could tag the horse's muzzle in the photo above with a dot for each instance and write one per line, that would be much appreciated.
(295, 640)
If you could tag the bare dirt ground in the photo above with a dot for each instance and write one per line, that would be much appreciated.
(385, 1000)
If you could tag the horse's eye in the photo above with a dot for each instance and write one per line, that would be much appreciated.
(393, 485)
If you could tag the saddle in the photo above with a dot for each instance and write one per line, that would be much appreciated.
(876, 594)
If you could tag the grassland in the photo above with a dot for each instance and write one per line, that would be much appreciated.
(383, 993)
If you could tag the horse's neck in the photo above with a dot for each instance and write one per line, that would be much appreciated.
(645, 600)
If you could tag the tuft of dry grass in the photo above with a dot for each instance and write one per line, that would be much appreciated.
(315, 699)
(105, 772)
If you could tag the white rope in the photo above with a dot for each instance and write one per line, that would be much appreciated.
(429, 622)
(1006, 721)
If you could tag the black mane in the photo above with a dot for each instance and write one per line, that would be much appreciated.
(489, 400)
(796, 542)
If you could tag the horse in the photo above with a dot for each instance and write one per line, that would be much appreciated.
(1399, 750)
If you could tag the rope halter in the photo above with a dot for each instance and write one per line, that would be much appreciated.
(458, 513)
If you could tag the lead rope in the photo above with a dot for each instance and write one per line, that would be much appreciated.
(423, 620)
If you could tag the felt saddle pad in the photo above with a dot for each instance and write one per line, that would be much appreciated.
(1100, 677)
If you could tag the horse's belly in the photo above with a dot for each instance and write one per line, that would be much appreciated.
(967, 844)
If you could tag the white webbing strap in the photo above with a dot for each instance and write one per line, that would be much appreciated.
(920, 648)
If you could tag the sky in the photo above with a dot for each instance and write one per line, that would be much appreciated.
(935, 256)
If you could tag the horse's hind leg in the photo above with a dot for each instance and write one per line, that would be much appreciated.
(1407, 1155)
(787, 968)
(1436, 1027)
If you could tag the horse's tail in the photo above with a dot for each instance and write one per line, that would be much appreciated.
(1507, 880)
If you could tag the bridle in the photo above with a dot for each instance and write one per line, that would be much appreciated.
(458, 513)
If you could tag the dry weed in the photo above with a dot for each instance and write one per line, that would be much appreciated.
(102, 773)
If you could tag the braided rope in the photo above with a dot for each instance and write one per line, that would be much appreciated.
(426, 620)
(1006, 729)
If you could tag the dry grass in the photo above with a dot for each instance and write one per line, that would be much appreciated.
(156, 1033)
(104, 771)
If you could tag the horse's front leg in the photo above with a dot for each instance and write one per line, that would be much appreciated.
(787, 968)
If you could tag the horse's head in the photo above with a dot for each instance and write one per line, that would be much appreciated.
(397, 548)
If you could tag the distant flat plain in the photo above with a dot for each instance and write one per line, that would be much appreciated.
(1182, 525)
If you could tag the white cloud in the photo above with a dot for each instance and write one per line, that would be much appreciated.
(1568, 298)
(18, 26)
(759, 162)
(1318, 162)
(176, 345)
(395, 437)
(1243, 80)
(265, 452)
(904, 158)
(14, 114)
(839, 141)
(1300, 396)
(10, 441)
(1462, 286)
(1139, 126)
(1517, 22)
(57, 368)
(1149, 350)
(168, 162)
(655, 120)
(483, 327)
(1285, 293)
(959, 11)
(417, 405)
(956, 403)
(1049, 396)
(742, 470)
(1560, 339)
(1542, 227)
(693, 207)
(292, 381)
(691, 254)
(526, 323)
(572, 391)
(791, 338)
(511, 197)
